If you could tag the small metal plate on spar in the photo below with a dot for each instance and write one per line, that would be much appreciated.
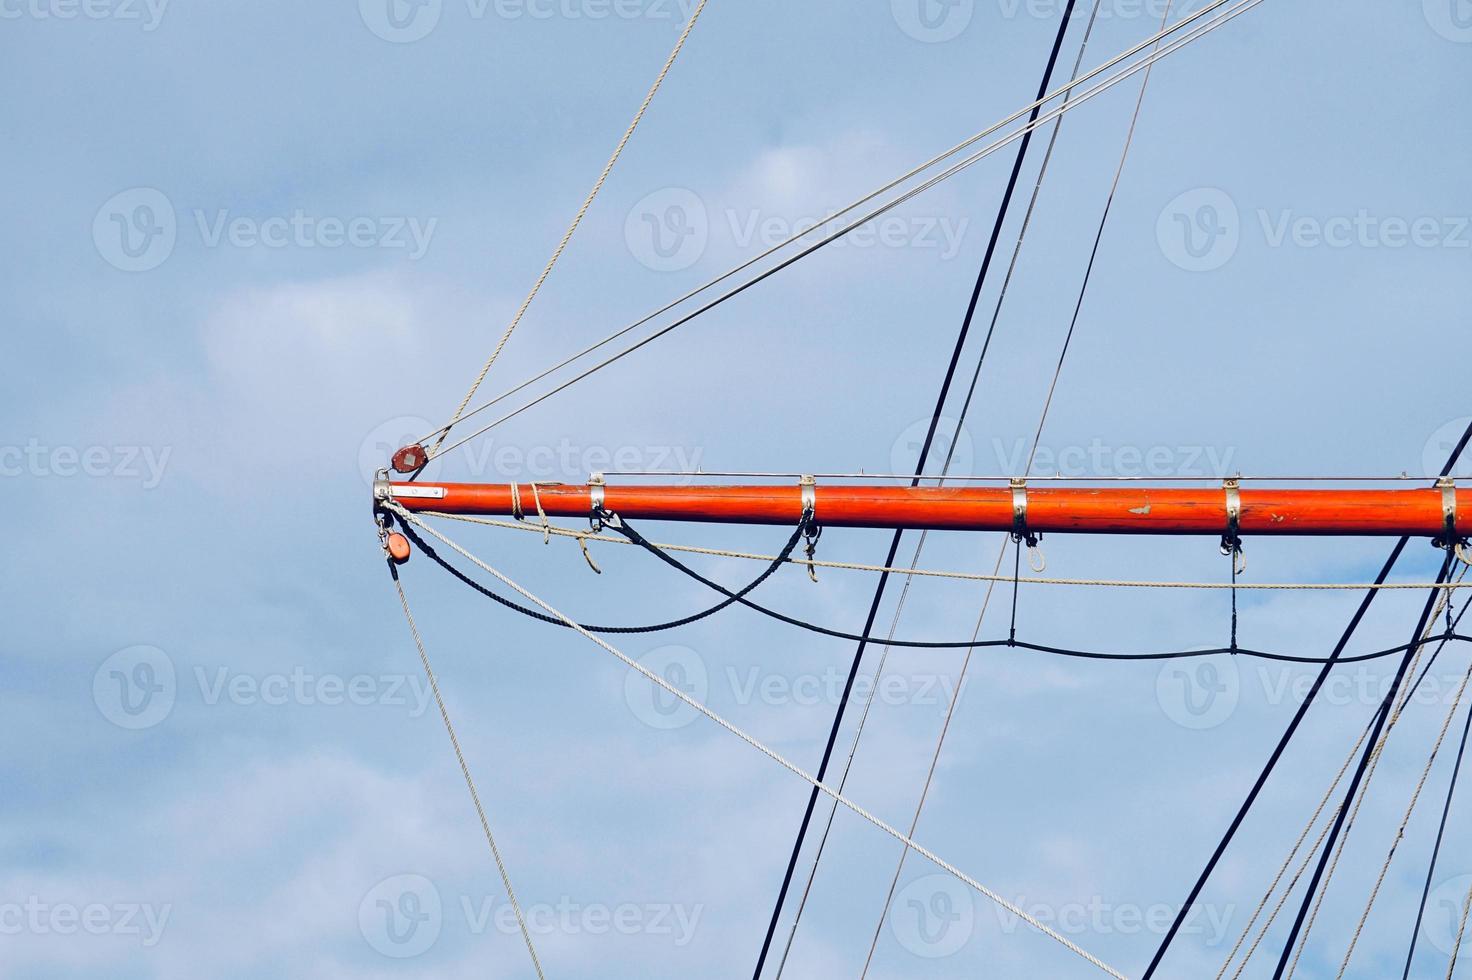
(414, 490)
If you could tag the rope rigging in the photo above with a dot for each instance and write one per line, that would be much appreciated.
(1293, 725)
(567, 235)
(740, 598)
(1231, 13)
(950, 373)
(766, 750)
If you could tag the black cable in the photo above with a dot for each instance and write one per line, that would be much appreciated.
(623, 527)
(1298, 716)
(731, 597)
(1446, 808)
(1381, 716)
(894, 544)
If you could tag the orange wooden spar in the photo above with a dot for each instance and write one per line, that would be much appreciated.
(1431, 512)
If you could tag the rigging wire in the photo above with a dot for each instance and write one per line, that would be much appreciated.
(1288, 733)
(1231, 13)
(577, 220)
(1440, 834)
(480, 811)
(1003, 209)
(944, 472)
(1359, 776)
(1032, 456)
(891, 185)
(586, 536)
(766, 750)
(1318, 811)
(655, 550)
(1405, 820)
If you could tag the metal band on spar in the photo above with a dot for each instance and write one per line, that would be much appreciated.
(1443, 511)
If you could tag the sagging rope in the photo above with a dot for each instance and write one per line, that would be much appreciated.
(771, 753)
(585, 536)
(740, 597)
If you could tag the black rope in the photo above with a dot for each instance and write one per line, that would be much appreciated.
(1446, 808)
(894, 544)
(731, 597)
(633, 535)
(1298, 716)
(1016, 579)
(1381, 717)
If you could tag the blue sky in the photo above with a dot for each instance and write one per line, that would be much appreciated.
(255, 245)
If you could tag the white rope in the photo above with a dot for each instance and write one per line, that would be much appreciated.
(960, 576)
(1451, 966)
(577, 220)
(768, 752)
(1229, 14)
(891, 185)
(1376, 754)
(480, 811)
(1405, 820)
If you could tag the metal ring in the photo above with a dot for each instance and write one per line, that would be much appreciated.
(809, 487)
(1019, 509)
(1448, 488)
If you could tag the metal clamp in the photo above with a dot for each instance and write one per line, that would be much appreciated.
(809, 486)
(1019, 514)
(1021, 533)
(1232, 536)
(382, 489)
(596, 510)
(1449, 538)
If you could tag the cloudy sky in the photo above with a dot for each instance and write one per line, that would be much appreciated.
(255, 246)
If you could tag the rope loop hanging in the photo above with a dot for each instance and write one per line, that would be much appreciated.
(1020, 533)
